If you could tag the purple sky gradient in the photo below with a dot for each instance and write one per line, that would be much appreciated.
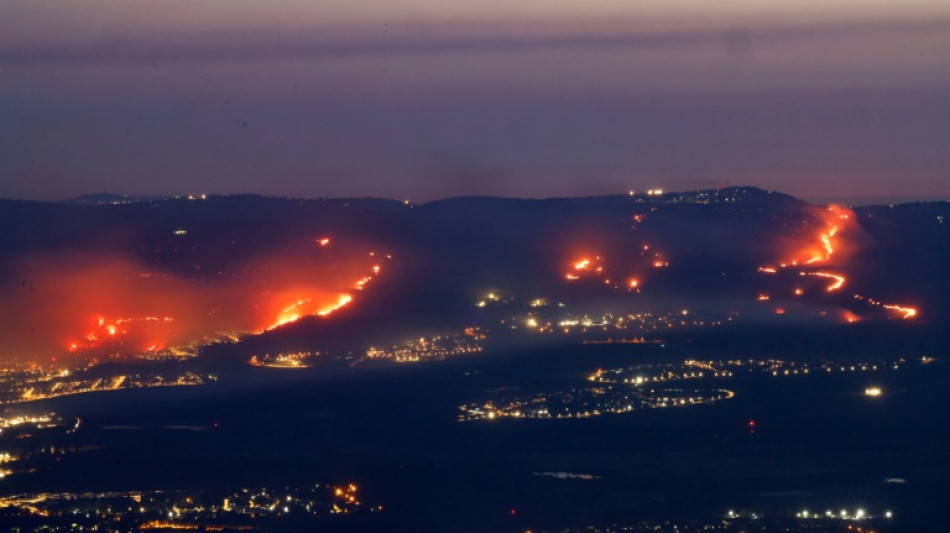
(837, 100)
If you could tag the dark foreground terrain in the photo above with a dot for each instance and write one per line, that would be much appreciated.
(818, 442)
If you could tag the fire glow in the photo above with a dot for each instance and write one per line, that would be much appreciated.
(107, 305)
(837, 281)
(586, 267)
(827, 244)
(107, 330)
(818, 251)
(306, 307)
(908, 312)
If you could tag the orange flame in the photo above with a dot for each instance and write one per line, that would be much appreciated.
(103, 304)
(850, 317)
(835, 285)
(908, 312)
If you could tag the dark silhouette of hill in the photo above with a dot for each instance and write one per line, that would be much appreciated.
(447, 253)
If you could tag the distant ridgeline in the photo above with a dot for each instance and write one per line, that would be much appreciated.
(210, 267)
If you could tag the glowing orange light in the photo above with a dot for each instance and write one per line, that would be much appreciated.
(324, 241)
(909, 312)
(780, 311)
(836, 284)
(293, 312)
(582, 265)
(633, 283)
(764, 297)
(108, 332)
(572, 277)
(826, 241)
(826, 246)
(343, 300)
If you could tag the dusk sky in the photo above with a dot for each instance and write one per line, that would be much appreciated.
(424, 99)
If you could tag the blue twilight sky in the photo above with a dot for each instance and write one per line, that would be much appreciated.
(424, 99)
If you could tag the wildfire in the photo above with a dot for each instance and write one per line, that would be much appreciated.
(909, 312)
(307, 306)
(850, 317)
(112, 305)
(819, 251)
(113, 332)
(835, 219)
(838, 281)
(812, 253)
(343, 300)
(585, 266)
(826, 242)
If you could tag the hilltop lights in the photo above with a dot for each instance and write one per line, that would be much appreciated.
(829, 515)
